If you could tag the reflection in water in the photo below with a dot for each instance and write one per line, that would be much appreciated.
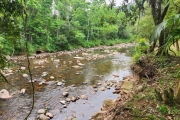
(103, 67)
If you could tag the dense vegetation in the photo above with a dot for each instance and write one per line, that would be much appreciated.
(67, 24)
(60, 25)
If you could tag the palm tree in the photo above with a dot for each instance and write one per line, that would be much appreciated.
(170, 35)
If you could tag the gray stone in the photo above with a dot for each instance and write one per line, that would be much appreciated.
(63, 102)
(50, 115)
(73, 99)
(102, 89)
(59, 83)
(68, 99)
(41, 111)
(43, 117)
(94, 86)
(95, 90)
(117, 88)
(65, 94)
(99, 83)
(84, 97)
(25, 75)
(108, 87)
(64, 106)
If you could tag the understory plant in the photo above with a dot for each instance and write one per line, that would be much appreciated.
(141, 48)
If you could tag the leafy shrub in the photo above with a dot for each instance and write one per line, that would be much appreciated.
(79, 37)
(163, 109)
(49, 47)
(31, 48)
(70, 47)
(141, 48)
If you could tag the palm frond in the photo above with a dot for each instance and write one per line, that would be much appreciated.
(156, 34)
(176, 18)
(175, 32)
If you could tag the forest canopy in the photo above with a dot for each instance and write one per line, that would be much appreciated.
(60, 25)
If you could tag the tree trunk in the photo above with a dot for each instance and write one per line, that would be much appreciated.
(161, 44)
(177, 45)
(158, 17)
(88, 30)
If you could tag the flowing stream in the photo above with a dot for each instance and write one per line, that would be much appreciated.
(77, 72)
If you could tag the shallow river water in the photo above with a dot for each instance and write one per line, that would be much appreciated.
(77, 71)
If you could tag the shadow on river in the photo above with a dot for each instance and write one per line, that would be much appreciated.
(80, 72)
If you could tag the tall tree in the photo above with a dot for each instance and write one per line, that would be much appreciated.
(10, 13)
(159, 10)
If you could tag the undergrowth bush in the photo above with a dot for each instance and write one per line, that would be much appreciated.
(141, 48)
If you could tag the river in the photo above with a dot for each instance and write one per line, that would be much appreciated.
(79, 72)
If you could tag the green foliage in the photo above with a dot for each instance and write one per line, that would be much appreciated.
(163, 109)
(172, 29)
(60, 25)
(80, 37)
(70, 47)
(151, 117)
(61, 42)
(31, 48)
(141, 48)
(82, 25)
(145, 25)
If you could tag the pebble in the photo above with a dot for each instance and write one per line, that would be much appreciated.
(42, 82)
(51, 77)
(25, 75)
(44, 117)
(102, 89)
(63, 102)
(117, 88)
(94, 86)
(108, 87)
(59, 83)
(68, 99)
(73, 99)
(23, 68)
(55, 111)
(95, 90)
(84, 97)
(41, 111)
(99, 84)
(49, 115)
(65, 94)
(116, 91)
(43, 75)
(23, 91)
(64, 106)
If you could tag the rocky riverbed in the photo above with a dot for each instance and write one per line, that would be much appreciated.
(68, 85)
